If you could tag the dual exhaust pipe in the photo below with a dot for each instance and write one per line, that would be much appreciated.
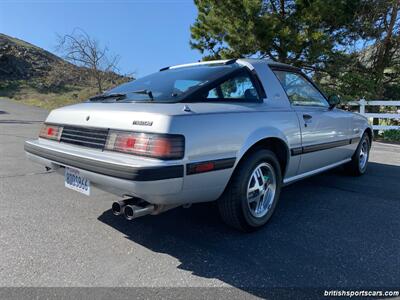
(131, 209)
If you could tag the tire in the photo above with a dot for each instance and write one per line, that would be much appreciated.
(234, 205)
(359, 161)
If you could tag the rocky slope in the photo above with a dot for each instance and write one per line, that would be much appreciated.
(35, 76)
(21, 60)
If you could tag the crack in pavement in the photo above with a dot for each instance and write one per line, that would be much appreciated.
(27, 174)
(343, 189)
(18, 136)
(21, 122)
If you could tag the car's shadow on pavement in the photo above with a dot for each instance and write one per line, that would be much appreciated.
(331, 230)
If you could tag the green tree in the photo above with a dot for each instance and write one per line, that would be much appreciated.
(381, 28)
(370, 65)
(354, 45)
(300, 32)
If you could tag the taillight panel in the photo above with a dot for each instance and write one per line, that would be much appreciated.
(51, 132)
(162, 146)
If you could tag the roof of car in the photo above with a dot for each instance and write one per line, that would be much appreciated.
(227, 61)
(270, 63)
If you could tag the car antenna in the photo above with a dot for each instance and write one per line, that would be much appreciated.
(165, 68)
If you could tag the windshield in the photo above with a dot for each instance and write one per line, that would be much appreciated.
(172, 85)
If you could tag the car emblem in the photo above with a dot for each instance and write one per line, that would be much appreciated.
(87, 118)
(142, 123)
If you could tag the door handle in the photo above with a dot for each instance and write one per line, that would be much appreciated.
(307, 119)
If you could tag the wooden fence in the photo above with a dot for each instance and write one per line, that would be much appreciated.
(381, 115)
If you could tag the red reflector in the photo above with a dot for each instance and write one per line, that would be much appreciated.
(204, 167)
(130, 142)
(125, 143)
(52, 132)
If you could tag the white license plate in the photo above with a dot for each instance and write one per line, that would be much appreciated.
(75, 181)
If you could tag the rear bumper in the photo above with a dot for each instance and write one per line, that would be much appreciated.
(154, 181)
(151, 173)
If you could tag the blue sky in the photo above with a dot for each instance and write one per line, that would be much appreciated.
(148, 35)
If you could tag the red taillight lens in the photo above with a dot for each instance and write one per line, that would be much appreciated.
(163, 146)
(51, 132)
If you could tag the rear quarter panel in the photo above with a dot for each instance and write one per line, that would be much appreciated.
(229, 135)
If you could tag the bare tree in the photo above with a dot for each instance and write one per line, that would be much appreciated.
(81, 49)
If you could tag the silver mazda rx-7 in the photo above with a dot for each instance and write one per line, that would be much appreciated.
(231, 131)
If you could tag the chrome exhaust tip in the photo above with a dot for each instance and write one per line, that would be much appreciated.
(117, 207)
(132, 211)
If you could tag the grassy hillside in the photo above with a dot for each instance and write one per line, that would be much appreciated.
(37, 77)
(28, 93)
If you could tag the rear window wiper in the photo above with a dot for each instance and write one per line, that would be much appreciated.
(121, 96)
(118, 96)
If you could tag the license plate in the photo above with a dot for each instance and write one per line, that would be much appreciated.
(75, 181)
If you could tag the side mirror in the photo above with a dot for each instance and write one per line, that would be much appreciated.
(333, 101)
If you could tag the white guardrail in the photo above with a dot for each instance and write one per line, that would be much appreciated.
(363, 103)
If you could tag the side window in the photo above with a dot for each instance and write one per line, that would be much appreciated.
(299, 90)
(182, 85)
(213, 94)
(239, 87)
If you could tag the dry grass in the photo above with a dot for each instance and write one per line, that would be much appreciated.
(50, 101)
(28, 93)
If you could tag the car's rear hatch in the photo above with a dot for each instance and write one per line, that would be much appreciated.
(144, 117)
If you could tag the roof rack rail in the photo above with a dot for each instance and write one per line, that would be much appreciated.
(230, 61)
(225, 62)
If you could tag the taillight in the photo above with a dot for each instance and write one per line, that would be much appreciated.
(51, 132)
(163, 146)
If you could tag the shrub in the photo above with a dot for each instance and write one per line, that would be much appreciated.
(392, 135)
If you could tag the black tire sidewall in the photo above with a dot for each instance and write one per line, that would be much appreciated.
(247, 169)
(357, 154)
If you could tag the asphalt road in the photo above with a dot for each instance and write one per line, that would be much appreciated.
(331, 230)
